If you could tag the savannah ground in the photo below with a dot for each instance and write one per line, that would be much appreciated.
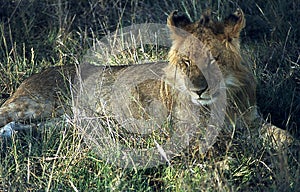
(38, 34)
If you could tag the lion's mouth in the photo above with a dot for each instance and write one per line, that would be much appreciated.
(204, 98)
(207, 100)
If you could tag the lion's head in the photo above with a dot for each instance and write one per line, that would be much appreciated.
(197, 46)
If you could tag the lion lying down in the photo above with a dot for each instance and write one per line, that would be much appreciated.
(205, 65)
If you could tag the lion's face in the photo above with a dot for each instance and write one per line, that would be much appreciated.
(203, 48)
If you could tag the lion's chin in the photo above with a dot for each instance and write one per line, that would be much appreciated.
(206, 101)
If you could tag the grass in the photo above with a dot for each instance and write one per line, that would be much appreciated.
(38, 34)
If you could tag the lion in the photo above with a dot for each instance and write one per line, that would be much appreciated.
(205, 65)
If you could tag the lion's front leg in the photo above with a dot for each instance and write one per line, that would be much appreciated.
(270, 134)
(274, 136)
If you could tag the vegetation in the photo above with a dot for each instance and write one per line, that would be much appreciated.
(37, 34)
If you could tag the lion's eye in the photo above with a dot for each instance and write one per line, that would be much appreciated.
(186, 62)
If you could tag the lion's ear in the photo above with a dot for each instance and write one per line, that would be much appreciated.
(177, 21)
(234, 23)
(205, 17)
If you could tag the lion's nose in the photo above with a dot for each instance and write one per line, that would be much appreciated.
(200, 85)
(201, 90)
